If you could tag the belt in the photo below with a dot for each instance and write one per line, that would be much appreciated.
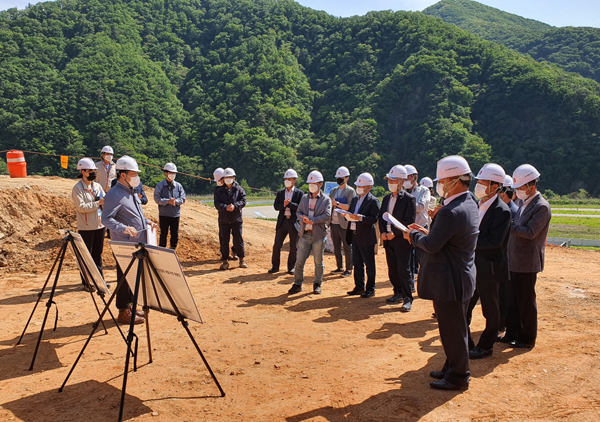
(308, 231)
(288, 216)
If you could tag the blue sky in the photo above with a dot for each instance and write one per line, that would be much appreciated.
(553, 12)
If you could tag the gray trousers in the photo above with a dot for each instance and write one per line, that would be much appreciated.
(338, 236)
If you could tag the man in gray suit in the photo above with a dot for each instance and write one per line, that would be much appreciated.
(447, 274)
(526, 249)
(314, 212)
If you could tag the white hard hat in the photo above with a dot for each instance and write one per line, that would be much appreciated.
(228, 172)
(365, 179)
(524, 174)
(410, 169)
(397, 172)
(492, 172)
(508, 180)
(171, 168)
(451, 166)
(86, 164)
(218, 174)
(290, 174)
(314, 177)
(127, 163)
(107, 150)
(427, 182)
(342, 172)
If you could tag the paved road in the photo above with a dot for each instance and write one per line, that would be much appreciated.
(264, 211)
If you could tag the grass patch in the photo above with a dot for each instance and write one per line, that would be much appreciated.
(591, 211)
(590, 222)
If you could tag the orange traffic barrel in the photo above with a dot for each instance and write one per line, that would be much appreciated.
(17, 167)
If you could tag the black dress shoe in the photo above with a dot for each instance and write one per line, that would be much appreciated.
(346, 273)
(445, 385)
(438, 375)
(368, 294)
(273, 270)
(316, 289)
(520, 345)
(356, 292)
(338, 271)
(479, 353)
(395, 299)
(296, 288)
(292, 271)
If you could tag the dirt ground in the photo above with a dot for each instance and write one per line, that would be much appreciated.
(279, 358)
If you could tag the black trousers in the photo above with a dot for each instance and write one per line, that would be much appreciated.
(521, 317)
(166, 224)
(489, 293)
(397, 256)
(452, 323)
(287, 228)
(124, 294)
(338, 237)
(94, 241)
(226, 230)
(363, 256)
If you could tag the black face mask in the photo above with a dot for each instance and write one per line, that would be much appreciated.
(340, 180)
(91, 176)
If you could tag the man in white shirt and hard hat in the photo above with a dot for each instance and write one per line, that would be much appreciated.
(447, 274)
(491, 257)
(400, 205)
(362, 234)
(286, 202)
(526, 249)
(341, 196)
(170, 196)
(314, 212)
(106, 169)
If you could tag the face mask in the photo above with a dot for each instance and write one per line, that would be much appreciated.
(360, 190)
(220, 182)
(134, 181)
(289, 183)
(340, 180)
(171, 177)
(313, 188)
(393, 188)
(480, 191)
(108, 158)
(522, 195)
(229, 181)
(91, 176)
(407, 184)
(439, 188)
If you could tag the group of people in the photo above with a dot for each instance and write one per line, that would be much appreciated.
(487, 245)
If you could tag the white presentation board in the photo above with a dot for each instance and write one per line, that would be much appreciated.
(169, 269)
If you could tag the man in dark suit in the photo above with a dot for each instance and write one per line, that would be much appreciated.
(402, 206)
(286, 202)
(526, 249)
(447, 274)
(491, 257)
(364, 210)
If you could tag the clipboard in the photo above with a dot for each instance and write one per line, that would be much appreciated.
(390, 219)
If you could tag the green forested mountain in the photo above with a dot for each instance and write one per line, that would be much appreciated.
(575, 49)
(263, 85)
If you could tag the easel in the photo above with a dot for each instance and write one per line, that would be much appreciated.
(89, 280)
(145, 268)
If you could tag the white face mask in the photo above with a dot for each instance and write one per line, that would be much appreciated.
(108, 158)
(522, 195)
(171, 177)
(480, 191)
(134, 181)
(229, 181)
(289, 183)
(360, 190)
(407, 184)
(439, 188)
(393, 187)
(313, 188)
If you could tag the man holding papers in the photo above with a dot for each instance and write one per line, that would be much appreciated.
(401, 206)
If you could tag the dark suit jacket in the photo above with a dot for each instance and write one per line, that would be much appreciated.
(365, 235)
(293, 206)
(404, 211)
(528, 233)
(447, 270)
(491, 254)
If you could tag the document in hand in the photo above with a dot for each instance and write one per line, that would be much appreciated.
(390, 219)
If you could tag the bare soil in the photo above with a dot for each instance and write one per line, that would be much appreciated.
(279, 358)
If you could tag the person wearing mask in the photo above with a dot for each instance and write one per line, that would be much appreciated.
(123, 215)
(218, 178)
(422, 198)
(428, 183)
(88, 197)
(447, 274)
(506, 194)
(314, 212)
(526, 249)
(138, 190)
(230, 199)
(341, 196)
(170, 196)
(364, 212)
(402, 206)
(491, 257)
(286, 202)
(106, 169)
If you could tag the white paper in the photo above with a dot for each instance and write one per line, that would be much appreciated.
(392, 220)
(341, 211)
(151, 236)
